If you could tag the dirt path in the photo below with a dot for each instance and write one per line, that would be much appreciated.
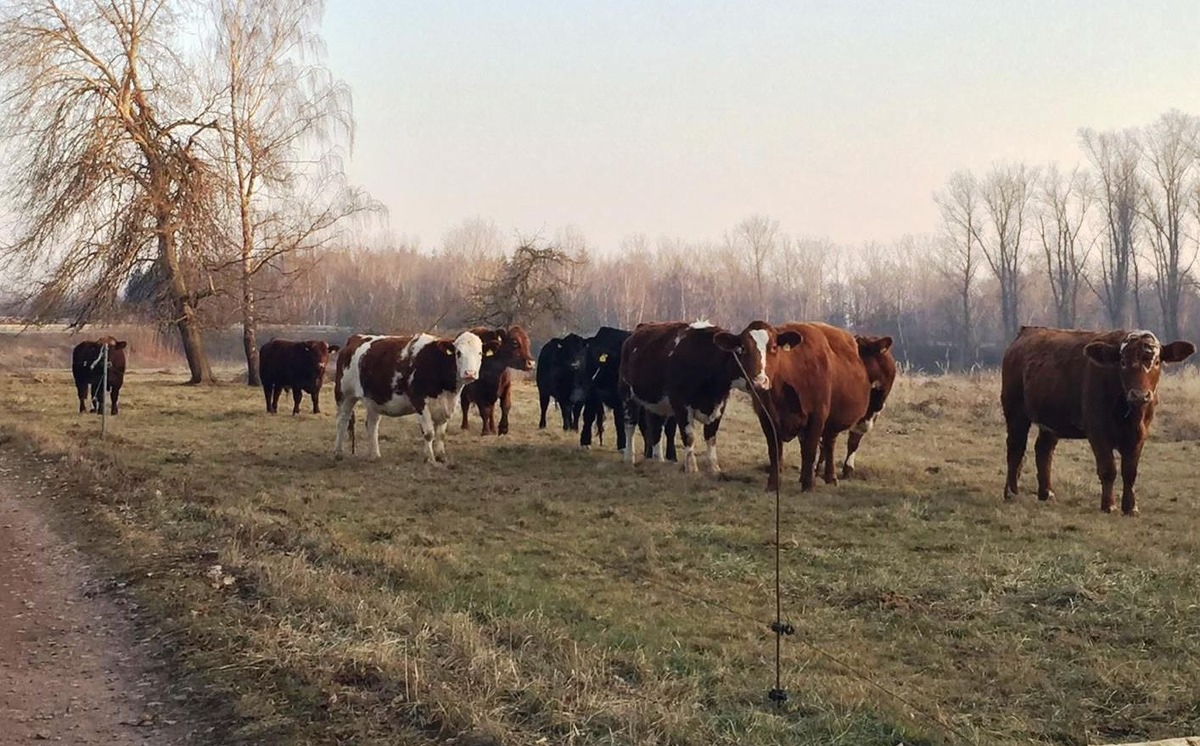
(71, 668)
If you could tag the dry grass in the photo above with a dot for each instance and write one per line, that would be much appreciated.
(522, 596)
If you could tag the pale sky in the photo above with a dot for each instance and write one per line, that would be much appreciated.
(839, 119)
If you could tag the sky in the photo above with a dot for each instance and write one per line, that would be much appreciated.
(839, 119)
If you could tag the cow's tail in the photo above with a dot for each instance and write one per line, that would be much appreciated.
(350, 431)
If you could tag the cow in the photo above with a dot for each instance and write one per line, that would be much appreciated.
(1102, 386)
(395, 376)
(596, 384)
(87, 367)
(558, 365)
(299, 366)
(881, 372)
(825, 381)
(686, 371)
(504, 349)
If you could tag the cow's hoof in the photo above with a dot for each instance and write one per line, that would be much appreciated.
(585, 447)
(338, 456)
(847, 472)
(831, 480)
(1107, 508)
(1132, 513)
(1046, 495)
(1009, 495)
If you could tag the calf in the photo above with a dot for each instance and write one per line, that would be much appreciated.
(299, 366)
(875, 353)
(825, 381)
(1102, 386)
(395, 376)
(503, 349)
(558, 365)
(685, 371)
(87, 367)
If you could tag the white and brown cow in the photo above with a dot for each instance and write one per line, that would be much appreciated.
(395, 376)
(686, 371)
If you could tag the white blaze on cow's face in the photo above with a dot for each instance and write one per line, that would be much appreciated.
(761, 340)
(468, 356)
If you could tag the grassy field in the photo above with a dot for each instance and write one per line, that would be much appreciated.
(533, 593)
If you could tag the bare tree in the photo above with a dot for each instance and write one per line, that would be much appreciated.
(1005, 195)
(754, 241)
(1116, 157)
(1062, 212)
(960, 206)
(284, 121)
(1170, 166)
(531, 285)
(106, 131)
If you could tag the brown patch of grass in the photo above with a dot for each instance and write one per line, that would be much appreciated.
(525, 596)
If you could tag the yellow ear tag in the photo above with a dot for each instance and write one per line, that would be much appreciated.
(449, 352)
(604, 358)
(489, 353)
(787, 348)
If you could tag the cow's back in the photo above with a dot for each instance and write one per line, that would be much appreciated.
(274, 361)
(644, 358)
(849, 385)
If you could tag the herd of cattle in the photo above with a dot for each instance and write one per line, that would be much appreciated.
(806, 381)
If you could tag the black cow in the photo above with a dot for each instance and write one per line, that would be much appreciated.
(88, 369)
(596, 387)
(299, 366)
(558, 366)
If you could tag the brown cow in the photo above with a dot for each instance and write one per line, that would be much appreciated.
(88, 370)
(685, 371)
(821, 386)
(1102, 386)
(876, 355)
(299, 366)
(495, 381)
(396, 376)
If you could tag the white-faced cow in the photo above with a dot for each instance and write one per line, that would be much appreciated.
(1102, 386)
(395, 376)
(299, 366)
(686, 371)
(87, 367)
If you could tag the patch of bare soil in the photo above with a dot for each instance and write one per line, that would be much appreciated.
(72, 669)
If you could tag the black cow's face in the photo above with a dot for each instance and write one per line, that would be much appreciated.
(318, 357)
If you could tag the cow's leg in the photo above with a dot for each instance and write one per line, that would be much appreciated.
(626, 423)
(810, 444)
(1016, 441)
(1130, 457)
(1106, 469)
(485, 418)
(669, 430)
(710, 440)
(575, 408)
(652, 436)
(828, 446)
(505, 405)
(297, 397)
(276, 392)
(589, 417)
(439, 441)
(852, 442)
(429, 431)
(372, 430)
(97, 397)
(774, 451)
(600, 425)
(82, 390)
(624, 438)
(267, 396)
(544, 404)
(345, 422)
(1043, 451)
(687, 432)
(464, 403)
(316, 398)
(115, 393)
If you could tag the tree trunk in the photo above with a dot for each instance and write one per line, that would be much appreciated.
(182, 303)
(249, 326)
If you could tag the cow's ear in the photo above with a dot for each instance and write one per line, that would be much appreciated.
(727, 341)
(1103, 353)
(883, 344)
(121, 345)
(871, 346)
(788, 340)
(1178, 351)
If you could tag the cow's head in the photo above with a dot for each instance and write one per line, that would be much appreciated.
(601, 366)
(468, 351)
(876, 355)
(1138, 358)
(319, 353)
(571, 349)
(112, 343)
(514, 351)
(754, 352)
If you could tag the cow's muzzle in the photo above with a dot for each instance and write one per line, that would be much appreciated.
(469, 376)
(1138, 398)
(762, 382)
